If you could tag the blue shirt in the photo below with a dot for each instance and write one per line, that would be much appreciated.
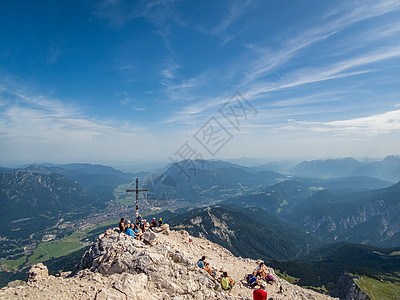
(129, 231)
(254, 278)
(200, 263)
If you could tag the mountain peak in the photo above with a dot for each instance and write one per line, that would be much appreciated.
(119, 267)
(392, 159)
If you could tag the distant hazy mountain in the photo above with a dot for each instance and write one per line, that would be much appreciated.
(387, 169)
(280, 198)
(31, 202)
(251, 232)
(354, 184)
(331, 167)
(247, 161)
(219, 164)
(371, 217)
(281, 166)
(214, 180)
(98, 179)
(86, 174)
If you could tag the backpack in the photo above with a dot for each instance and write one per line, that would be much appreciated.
(200, 264)
(252, 280)
(225, 283)
(270, 278)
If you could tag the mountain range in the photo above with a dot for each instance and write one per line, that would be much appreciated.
(254, 233)
(37, 197)
(31, 202)
(387, 169)
(371, 217)
(253, 211)
(250, 232)
(100, 181)
(205, 182)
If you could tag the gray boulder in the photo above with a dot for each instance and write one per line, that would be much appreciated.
(150, 237)
(37, 272)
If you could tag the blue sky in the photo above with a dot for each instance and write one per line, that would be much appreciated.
(109, 81)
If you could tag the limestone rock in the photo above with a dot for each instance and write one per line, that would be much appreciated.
(165, 229)
(16, 283)
(150, 237)
(118, 266)
(109, 294)
(347, 289)
(37, 272)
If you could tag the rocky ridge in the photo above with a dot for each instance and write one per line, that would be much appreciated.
(120, 267)
(347, 289)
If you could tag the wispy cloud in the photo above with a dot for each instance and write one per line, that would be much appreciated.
(255, 85)
(31, 118)
(170, 69)
(310, 99)
(235, 11)
(342, 19)
(53, 54)
(131, 102)
(119, 12)
(337, 70)
(370, 125)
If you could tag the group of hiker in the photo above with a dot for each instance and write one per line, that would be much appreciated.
(136, 230)
(258, 277)
(225, 281)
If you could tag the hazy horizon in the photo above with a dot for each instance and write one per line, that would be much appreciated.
(157, 164)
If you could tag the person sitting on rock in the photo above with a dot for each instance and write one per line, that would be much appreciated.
(122, 225)
(253, 279)
(127, 224)
(137, 233)
(153, 223)
(260, 294)
(202, 264)
(226, 282)
(143, 225)
(160, 222)
(129, 230)
(261, 271)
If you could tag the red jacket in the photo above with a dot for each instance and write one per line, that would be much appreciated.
(259, 295)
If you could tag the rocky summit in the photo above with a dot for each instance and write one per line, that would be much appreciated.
(164, 266)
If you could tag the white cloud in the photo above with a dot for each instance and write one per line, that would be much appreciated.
(335, 71)
(336, 67)
(169, 72)
(45, 129)
(371, 125)
(344, 17)
(235, 11)
(310, 99)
